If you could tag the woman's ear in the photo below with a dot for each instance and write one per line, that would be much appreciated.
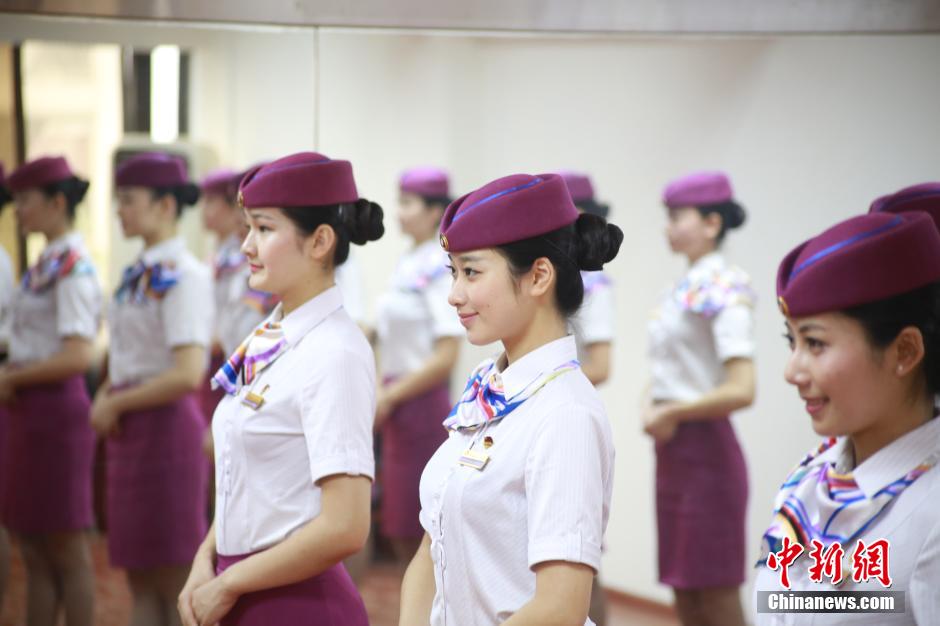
(712, 225)
(908, 350)
(321, 244)
(541, 278)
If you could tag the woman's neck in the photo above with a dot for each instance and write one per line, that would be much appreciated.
(546, 327)
(55, 232)
(159, 236)
(296, 297)
(890, 428)
(698, 255)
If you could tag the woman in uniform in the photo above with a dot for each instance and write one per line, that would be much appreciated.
(418, 340)
(47, 471)
(701, 353)
(160, 326)
(293, 435)
(515, 503)
(861, 303)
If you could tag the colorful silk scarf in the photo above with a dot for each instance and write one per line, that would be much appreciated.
(484, 400)
(142, 282)
(260, 349)
(816, 502)
(53, 266)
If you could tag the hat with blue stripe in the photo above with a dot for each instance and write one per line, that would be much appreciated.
(508, 209)
(860, 260)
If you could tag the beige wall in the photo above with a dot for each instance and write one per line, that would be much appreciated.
(811, 129)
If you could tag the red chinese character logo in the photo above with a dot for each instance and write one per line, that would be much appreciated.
(871, 561)
(783, 559)
(826, 563)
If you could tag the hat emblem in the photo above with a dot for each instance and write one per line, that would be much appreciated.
(241, 200)
(444, 242)
(783, 306)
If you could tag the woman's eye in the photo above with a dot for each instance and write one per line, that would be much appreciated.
(264, 229)
(789, 338)
(814, 344)
(468, 272)
(450, 268)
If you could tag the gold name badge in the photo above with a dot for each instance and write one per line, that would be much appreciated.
(476, 460)
(253, 400)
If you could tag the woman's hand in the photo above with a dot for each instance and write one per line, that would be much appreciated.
(660, 422)
(201, 573)
(105, 415)
(212, 601)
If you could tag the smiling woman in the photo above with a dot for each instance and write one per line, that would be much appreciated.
(518, 532)
(862, 307)
(293, 434)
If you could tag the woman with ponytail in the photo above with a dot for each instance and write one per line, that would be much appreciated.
(293, 434)
(159, 326)
(701, 352)
(514, 504)
(47, 465)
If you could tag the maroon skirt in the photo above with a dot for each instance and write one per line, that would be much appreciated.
(412, 434)
(157, 489)
(49, 459)
(701, 502)
(327, 599)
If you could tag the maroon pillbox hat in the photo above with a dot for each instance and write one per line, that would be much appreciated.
(39, 173)
(299, 180)
(222, 181)
(427, 182)
(923, 197)
(508, 209)
(698, 189)
(579, 185)
(863, 259)
(154, 170)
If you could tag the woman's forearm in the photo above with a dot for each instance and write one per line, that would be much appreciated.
(418, 588)
(185, 376)
(737, 392)
(75, 357)
(336, 533)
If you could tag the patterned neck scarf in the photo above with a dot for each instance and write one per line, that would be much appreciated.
(708, 290)
(816, 502)
(53, 266)
(142, 282)
(260, 349)
(485, 401)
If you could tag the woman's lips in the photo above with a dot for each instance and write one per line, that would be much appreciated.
(254, 268)
(815, 406)
(467, 318)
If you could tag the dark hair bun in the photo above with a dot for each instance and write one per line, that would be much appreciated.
(188, 194)
(81, 188)
(5, 196)
(598, 242)
(734, 215)
(366, 222)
